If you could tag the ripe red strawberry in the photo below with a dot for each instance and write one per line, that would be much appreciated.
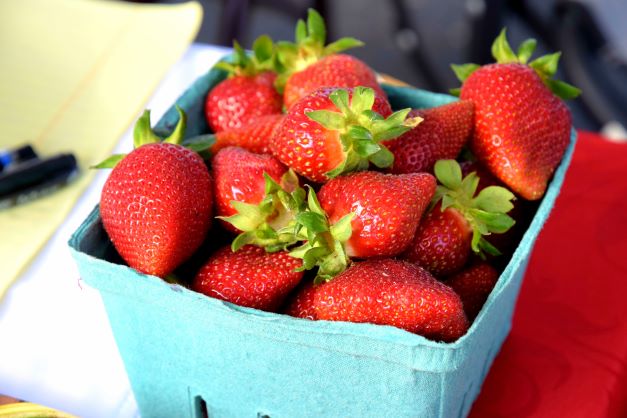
(522, 128)
(365, 214)
(473, 285)
(458, 221)
(239, 175)
(248, 92)
(301, 304)
(338, 70)
(334, 131)
(307, 64)
(387, 209)
(249, 277)
(254, 136)
(441, 135)
(396, 293)
(442, 242)
(156, 205)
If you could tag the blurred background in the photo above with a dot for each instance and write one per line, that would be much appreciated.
(416, 40)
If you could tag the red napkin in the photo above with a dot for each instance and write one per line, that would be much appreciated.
(566, 355)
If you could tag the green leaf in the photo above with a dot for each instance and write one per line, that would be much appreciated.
(485, 246)
(240, 54)
(300, 33)
(371, 116)
(447, 201)
(398, 117)
(316, 27)
(501, 51)
(299, 252)
(200, 143)
(339, 98)
(494, 222)
(546, 65)
(365, 147)
(313, 204)
(311, 257)
(455, 92)
(341, 45)
(391, 133)
(110, 162)
(342, 229)
(449, 173)
(469, 184)
(525, 50)
(314, 222)
(382, 158)
(462, 72)
(176, 137)
(270, 185)
(241, 240)
(363, 99)
(225, 66)
(143, 133)
(562, 89)
(495, 199)
(331, 120)
(357, 132)
(263, 48)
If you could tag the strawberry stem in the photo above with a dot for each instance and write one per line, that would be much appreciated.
(361, 129)
(270, 224)
(486, 212)
(323, 245)
(308, 47)
(545, 66)
(263, 58)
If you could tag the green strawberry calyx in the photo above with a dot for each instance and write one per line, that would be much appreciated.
(262, 59)
(270, 224)
(309, 47)
(323, 243)
(486, 212)
(361, 129)
(143, 134)
(545, 66)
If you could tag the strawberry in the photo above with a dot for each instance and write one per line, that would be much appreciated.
(338, 70)
(392, 292)
(441, 135)
(156, 205)
(458, 221)
(307, 64)
(522, 128)
(301, 304)
(334, 131)
(473, 285)
(365, 214)
(249, 277)
(254, 136)
(387, 209)
(248, 92)
(239, 176)
(442, 243)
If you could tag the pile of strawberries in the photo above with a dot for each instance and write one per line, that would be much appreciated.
(336, 206)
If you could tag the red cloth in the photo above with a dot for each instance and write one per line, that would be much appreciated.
(566, 355)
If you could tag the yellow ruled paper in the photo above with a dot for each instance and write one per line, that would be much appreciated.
(74, 74)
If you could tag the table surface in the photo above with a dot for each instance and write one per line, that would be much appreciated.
(566, 355)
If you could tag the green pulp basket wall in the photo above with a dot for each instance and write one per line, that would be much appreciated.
(184, 351)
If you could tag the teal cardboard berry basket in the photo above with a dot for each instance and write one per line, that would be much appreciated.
(188, 355)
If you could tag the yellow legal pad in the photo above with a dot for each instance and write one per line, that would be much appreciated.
(74, 74)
